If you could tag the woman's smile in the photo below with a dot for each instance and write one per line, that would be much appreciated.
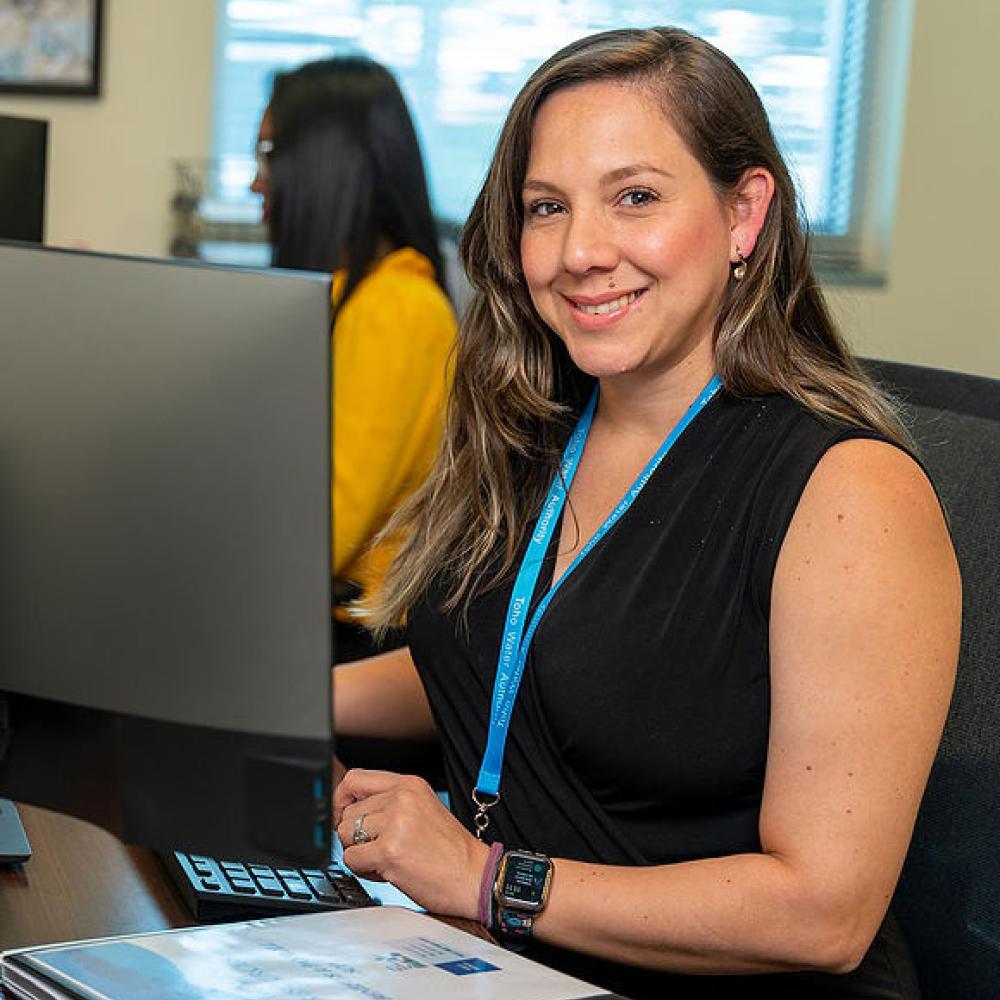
(602, 311)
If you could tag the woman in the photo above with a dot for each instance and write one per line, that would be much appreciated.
(342, 180)
(737, 644)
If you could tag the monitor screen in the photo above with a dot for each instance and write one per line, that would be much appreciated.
(165, 641)
(23, 144)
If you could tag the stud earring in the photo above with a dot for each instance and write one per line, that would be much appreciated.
(740, 267)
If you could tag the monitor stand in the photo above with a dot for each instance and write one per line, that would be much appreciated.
(14, 845)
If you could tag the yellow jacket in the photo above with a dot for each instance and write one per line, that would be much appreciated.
(391, 346)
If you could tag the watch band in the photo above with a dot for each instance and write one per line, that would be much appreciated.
(514, 923)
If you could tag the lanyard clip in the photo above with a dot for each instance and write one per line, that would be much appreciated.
(483, 803)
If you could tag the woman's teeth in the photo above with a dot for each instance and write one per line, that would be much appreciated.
(607, 307)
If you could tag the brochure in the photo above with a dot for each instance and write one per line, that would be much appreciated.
(376, 953)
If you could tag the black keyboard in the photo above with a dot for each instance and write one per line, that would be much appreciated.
(232, 890)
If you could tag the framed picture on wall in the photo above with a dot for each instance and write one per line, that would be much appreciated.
(50, 47)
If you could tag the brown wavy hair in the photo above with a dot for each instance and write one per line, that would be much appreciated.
(515, 390)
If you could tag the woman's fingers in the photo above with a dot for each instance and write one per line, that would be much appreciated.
(367, 858)
(358, 784)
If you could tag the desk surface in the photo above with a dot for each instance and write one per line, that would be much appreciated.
(82, 882)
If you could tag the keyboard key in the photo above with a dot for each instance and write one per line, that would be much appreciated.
(261, 871)
(297, 889)
(243, 886)
(270, 887)
(210, 885)
(351, 889)
(342, 880)
(202, 868)
(324, 889)
(312, 873)
(287, 872)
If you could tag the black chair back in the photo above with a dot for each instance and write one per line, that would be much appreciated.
(948, 899)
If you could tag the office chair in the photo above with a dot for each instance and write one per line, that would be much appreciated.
(948, 898)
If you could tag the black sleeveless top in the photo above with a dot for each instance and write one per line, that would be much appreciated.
(640, 732)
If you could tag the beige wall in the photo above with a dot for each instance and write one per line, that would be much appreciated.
(110, 178)
(939, 305)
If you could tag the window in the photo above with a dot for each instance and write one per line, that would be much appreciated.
(819, 66)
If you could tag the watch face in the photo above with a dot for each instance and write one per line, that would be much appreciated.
(524, 880)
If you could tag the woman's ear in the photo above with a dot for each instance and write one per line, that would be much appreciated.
(748, 209)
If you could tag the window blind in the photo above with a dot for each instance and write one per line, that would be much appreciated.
(460, 64)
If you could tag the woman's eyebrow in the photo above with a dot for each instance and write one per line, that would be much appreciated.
(540, 185)
(611, 177)
(631, 169)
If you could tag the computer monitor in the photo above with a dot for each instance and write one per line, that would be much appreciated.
(165, 641)
(23, 146)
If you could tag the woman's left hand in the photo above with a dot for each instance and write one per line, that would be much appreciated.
(416, 844)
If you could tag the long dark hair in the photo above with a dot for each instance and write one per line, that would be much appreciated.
(515, 383)
(346, 171)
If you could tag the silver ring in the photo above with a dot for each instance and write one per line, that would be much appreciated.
(361, 835)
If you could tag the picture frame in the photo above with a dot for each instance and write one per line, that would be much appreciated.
(51, 47)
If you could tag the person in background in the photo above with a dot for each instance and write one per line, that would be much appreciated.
(690, 707)
(344, 193)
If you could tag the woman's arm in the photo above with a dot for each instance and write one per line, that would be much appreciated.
(864, 636)
(381, 696)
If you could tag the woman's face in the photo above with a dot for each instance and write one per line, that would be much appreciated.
(260, 183)
(626, 246)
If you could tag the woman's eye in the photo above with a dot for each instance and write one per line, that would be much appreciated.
(542, 209)
(638, 197)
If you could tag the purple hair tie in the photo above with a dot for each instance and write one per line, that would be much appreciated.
(486, 885)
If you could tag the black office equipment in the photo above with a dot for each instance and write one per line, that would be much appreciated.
(23, 149)
(165, 529)
(946, 901)
(237, 890)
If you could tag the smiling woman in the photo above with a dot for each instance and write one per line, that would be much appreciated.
(678, 535)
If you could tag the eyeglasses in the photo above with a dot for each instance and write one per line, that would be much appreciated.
(263, 153)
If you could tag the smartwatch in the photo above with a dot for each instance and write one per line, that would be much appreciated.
(521, 890)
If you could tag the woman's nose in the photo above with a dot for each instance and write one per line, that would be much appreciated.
(589, 244)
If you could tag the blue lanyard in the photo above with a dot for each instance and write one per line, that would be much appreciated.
(516, 636)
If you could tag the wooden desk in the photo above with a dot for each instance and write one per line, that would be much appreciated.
(82, 882)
